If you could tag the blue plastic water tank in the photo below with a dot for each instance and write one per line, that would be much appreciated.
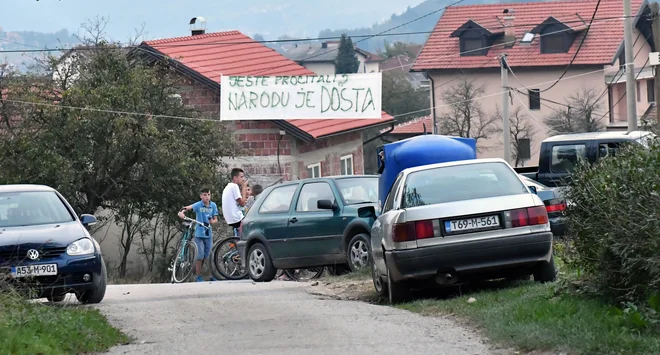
(421, 150)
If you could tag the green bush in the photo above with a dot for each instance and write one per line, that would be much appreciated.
(614, 217)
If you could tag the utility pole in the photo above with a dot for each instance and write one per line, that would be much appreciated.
(631, 103)
(506, 138)
(655, 25)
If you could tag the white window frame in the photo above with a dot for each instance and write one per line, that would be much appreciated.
(343, 163)
(312, 166)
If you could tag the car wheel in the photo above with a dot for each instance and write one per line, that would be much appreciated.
(358, 253)
(397, 291)
(546, 272)
(56, 298)
(97, 292)
(260, 267)
(379, 283)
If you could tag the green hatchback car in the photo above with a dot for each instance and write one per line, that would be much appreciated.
(310, 223)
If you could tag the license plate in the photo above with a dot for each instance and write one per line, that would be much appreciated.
(467, 224)
(34, 270)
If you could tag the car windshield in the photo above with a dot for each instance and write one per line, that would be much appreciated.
(460, 183)
(32, 208)
(358, 190)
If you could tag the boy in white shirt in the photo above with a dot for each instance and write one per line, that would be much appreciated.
(234, 196)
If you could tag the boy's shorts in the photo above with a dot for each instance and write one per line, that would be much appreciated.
(203, 247)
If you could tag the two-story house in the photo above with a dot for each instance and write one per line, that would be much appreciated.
(320, 57)
(541, 42)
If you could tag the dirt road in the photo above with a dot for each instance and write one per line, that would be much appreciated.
(272, 318)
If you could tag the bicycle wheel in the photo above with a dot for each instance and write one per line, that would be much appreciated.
(184, 262)
(304, 274)
(227, 261)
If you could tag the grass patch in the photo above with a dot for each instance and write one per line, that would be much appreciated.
(362, 274)
(34, 328)
(532, 317)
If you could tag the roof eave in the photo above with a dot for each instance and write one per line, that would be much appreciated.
(183, 69)
(384, 122)
(293, 130)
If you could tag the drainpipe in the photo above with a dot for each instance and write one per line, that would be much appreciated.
(432, 103)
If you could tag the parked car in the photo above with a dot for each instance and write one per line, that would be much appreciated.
(555, 205)
(559, 154)
(45, 247)
(310, 223)
(464, 220)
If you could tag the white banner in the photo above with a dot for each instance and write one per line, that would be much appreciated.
(340, 96)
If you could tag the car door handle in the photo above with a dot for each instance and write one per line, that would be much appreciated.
(293, 220)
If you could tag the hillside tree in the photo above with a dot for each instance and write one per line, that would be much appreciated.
(346, 62)
(401, 99)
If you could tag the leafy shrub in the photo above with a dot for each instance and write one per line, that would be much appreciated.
(614, 216)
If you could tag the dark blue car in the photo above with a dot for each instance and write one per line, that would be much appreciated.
(45, 248)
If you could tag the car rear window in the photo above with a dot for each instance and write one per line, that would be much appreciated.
(32, 208)
(460, 183)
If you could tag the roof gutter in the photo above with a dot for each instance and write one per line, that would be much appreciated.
(355, 130)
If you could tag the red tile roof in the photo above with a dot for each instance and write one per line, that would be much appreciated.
(321, 128)
(603, 40)
(240, 55)
(415, 126)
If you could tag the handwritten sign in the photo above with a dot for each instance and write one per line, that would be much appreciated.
(340, 96)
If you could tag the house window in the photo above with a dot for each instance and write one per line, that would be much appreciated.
(553, 43)
(639, 91)
(314, 170)
(622, 60)
(472, 46)
(534, 99)
(346, 163)
(650, 90)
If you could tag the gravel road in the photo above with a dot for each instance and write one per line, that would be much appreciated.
(272, 318)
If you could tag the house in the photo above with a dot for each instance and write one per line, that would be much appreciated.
(402, 63)
(320, 58)
(279, 149)
(540, 40)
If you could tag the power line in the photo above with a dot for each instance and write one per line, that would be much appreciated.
(291, 40)
(214, 120)
(578, 49)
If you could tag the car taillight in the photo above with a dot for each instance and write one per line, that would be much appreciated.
(556, 207)
(531, 216)
(411, 231)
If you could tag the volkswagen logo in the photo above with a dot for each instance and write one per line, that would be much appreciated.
(33, 254)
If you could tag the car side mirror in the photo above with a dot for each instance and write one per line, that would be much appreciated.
(88, 220)
(533, 189)
(325, 205)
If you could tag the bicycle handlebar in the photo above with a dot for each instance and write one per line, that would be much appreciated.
(195, 221)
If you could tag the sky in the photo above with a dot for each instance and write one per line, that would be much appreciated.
(170, 18)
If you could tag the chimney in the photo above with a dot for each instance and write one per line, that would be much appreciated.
(197, 25)
(509, 29)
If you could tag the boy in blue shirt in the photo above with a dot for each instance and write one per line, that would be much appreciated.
(206, 213)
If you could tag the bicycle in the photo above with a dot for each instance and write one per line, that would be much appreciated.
(228, 264)
(186, 244)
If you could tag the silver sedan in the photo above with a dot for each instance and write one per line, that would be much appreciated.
(465, 220)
